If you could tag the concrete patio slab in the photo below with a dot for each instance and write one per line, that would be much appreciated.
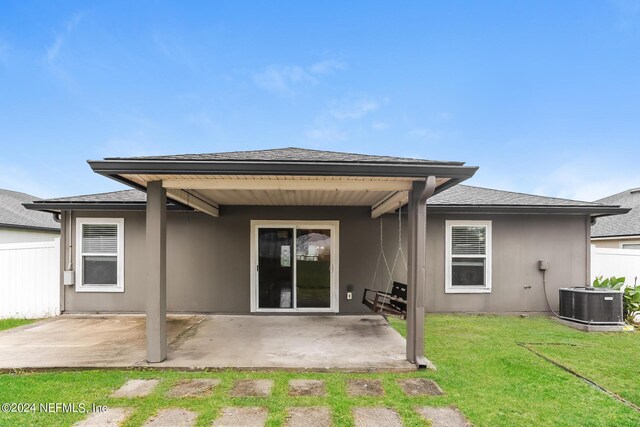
(242, 417)
(358, 388)
(252, 388)
(112, 417)
(376, 417)
(172, 417)
(420, 387)
(197, 387)
(307, 388)
(318, 343)
(308, 416)
(136, 388)
(444, 417)
(82, 341)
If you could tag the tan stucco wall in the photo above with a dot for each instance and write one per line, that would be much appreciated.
(614, 244)
(13, 235)
(208, 259)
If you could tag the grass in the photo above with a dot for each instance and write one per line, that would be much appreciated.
(481, 368)
(13, 323)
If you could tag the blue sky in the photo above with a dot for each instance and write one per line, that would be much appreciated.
(544, 96)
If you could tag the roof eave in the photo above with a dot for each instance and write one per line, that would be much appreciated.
(594, 211)
(56, 207)
(30, 227)
(118, 167)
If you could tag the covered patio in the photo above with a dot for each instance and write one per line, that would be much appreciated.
(317, 343)
(294, 195)
(284, 177)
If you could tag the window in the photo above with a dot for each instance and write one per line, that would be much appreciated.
(100, 255)
(631, 246)
(468, 257)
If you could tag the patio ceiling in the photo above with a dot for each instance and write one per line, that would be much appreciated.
(207, 192)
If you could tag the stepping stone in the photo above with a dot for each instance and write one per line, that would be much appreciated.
(444, 417)
(110, 418)
(136, 388)
(307, 388)
(376, 417)
(252, 388)
(172, 417)
(308, 416)
(360, 388)
(241, 417)
(197, 387)
(420, 387)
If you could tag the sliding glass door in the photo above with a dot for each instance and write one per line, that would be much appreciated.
(294, 267)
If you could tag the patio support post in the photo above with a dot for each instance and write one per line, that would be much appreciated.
(156, 242)
(417, 271)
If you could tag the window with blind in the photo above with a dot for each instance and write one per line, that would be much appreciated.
(468, 257)
(99, 254)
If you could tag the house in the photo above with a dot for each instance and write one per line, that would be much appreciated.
(20, 225)
(299, 231)
(620, 231)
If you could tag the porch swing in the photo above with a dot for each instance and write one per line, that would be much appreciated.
(394, 302)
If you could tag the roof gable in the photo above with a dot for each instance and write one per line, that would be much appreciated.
(13, 214)
(290, 154)
(620, 225)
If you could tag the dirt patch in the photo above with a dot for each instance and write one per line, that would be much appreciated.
(136, 388)
(108, 418)
(252, 388)
(307, 388)
(376, 417)
(197, 387)
(308, 416)
(358, 388)
(241, 417)
(174, 417)
(444, 417)
(420, 387)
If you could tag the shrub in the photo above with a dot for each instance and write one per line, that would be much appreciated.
(630, 298)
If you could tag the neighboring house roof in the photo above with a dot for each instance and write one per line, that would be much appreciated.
(291, 154)
(14, 215)
(461, 198)
(620, 225)
(115, 200)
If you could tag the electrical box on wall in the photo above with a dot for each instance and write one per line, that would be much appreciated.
(69, 277)
(543, 265)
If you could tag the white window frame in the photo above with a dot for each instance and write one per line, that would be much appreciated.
(80, 286)
(449, 289)
(334, 226)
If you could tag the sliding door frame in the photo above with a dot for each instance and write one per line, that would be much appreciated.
(334, 226)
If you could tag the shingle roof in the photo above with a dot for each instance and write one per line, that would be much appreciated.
(458, 196)
(480, 196)
(110, 197)
(14, 215)
(290, 154)
(620, 225)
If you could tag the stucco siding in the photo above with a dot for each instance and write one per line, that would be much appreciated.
(614, 243)
(14, 235)
(208, 259)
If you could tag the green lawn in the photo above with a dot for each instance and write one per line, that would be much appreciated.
(481, 368)
(13, 323)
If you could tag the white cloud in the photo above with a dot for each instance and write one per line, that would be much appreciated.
(426, 134)
(587, 180)
(327, 134)
(327, 67)
(172, 49)
(353, 109)
(284, 79)
(53, 51)
(379, 126)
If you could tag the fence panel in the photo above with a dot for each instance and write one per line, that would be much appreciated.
(30, 279)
